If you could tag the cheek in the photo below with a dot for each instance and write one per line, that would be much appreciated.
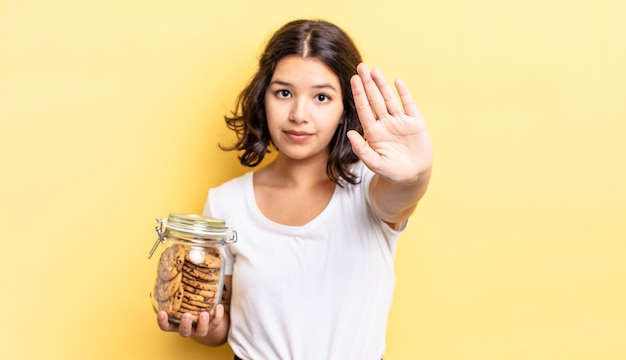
(270, 113)
(274, 109)
(272, 119)
(339, 115)
(267, 105)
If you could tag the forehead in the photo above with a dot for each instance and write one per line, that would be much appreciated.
(295, 69)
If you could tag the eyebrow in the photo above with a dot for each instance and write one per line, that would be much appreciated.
(319, 86)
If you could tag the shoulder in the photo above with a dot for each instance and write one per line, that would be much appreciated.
(364, 178)
(359, 194)
(235, 184)
(362, 171)
(229, 192)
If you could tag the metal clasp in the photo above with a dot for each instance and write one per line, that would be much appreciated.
(233, 236)
(160, 239)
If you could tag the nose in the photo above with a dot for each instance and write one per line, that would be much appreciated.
(298, 113)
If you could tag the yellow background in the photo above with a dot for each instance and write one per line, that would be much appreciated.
(110, 112)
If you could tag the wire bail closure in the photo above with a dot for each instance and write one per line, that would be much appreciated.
(161, 238)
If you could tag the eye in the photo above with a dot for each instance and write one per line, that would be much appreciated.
(322, 98)
(283, 93)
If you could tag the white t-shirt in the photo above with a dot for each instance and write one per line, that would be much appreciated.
(318, 291)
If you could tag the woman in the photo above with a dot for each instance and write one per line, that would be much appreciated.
(311, 276)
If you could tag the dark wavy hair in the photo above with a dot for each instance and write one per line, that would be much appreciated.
(317, 39)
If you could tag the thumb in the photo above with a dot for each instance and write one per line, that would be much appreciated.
(362, 149)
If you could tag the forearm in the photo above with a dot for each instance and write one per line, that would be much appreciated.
(394, 202)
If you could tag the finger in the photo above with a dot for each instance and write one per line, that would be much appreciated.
(360, 147)
(163, 322)
(407, 100)
(185, 328)
(362, 105)
(392, 105)
(203, 326)
(374, 96)
(217, 316)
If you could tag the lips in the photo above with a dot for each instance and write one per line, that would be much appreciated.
(297, 136)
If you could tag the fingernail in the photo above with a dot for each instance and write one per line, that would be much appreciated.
(204, 316)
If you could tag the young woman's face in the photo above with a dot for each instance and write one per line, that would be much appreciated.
(303, 106)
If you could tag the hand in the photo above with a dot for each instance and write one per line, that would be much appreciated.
(398, 145)
(186, 328)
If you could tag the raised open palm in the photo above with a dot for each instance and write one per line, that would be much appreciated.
(397, 144)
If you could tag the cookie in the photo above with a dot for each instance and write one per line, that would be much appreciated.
(166, 289)
(198, 284)
(204, 258)
(191, 290)
(203, 269)
(201, 275)
(177, 315)
(171, 262)
(199, 298)
(202, 304)
(172, 304)
(177, 299)
(186, 306)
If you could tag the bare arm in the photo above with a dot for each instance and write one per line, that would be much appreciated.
(211, 329)
(396, 146)
(395, 202)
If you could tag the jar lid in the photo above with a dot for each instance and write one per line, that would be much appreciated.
(196, 224)
(193, 228)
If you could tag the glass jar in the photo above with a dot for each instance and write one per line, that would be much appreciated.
(190, 271)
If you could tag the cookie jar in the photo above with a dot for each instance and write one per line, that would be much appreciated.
(190, 268)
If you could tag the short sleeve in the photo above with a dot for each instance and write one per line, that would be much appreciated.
(391, 235)
(229, 258)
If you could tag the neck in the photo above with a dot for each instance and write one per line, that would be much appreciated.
(297, 173)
